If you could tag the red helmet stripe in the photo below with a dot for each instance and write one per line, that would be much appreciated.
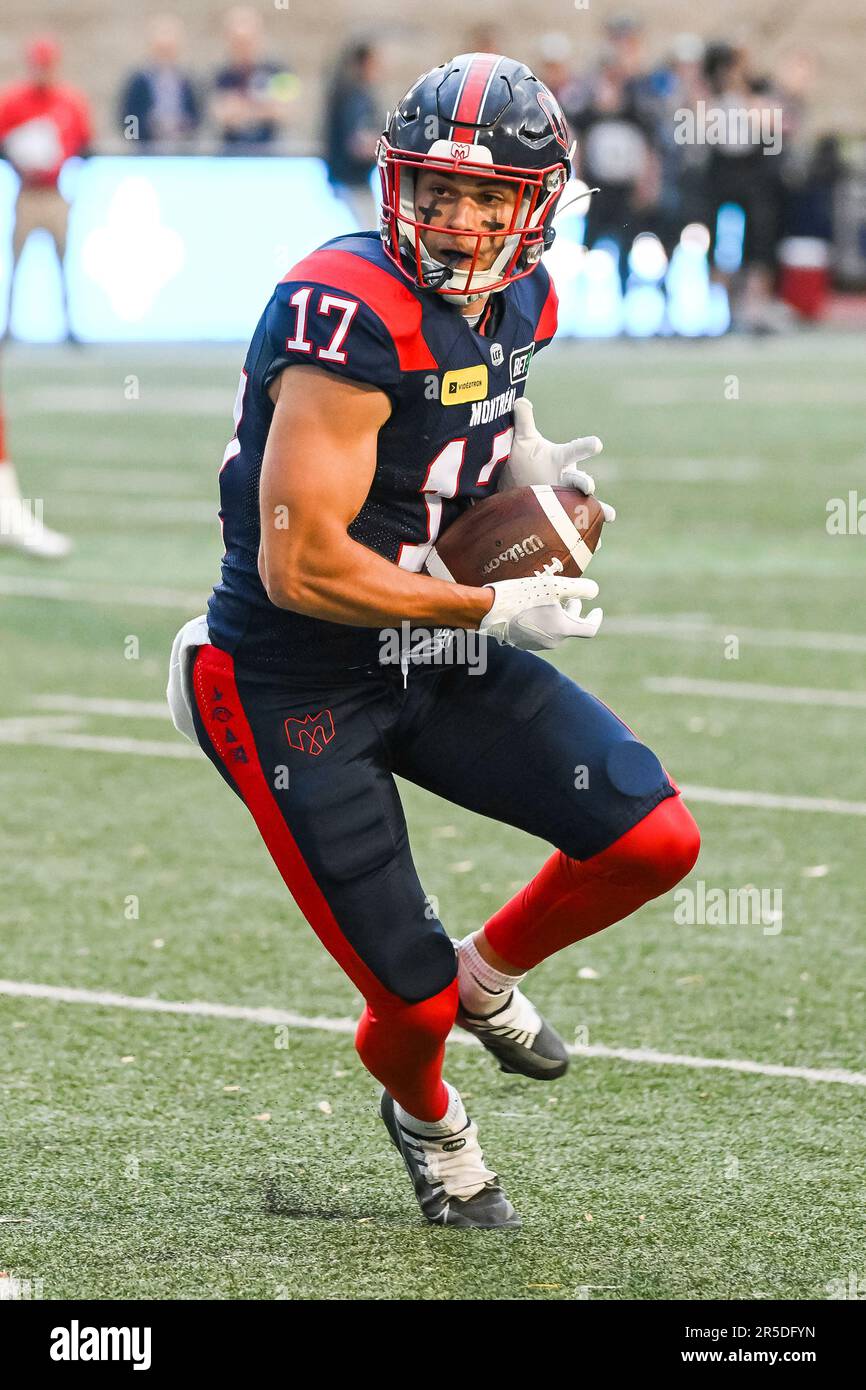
(470, 100)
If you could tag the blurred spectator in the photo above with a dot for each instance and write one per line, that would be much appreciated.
(556, 72)
(625, 41)
(738, 172)
(159, 104)
(793, 84)
(484, 37)
(810, 165)
(680, 85)
(42, 124)
(615, 154)
(252, 94)
(353, 123)
(624, 36)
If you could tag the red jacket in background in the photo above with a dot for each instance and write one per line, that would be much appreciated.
(40, 128)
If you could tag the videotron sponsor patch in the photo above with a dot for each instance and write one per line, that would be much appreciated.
(519, 363)
(464, 384)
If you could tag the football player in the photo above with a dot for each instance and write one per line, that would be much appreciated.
(21, 526)
(383, 394)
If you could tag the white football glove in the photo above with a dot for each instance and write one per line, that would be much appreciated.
(533, 459)
(538, 613)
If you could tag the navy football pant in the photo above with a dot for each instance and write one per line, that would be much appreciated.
(314, 759)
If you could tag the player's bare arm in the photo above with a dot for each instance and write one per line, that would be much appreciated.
(318, 465)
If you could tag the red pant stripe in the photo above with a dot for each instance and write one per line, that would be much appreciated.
(219, 705)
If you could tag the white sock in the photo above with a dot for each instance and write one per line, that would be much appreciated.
(9, 489)
(454, 1119)
(482, 988)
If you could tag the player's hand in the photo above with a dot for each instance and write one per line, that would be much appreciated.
(537, 614)
(534, 459)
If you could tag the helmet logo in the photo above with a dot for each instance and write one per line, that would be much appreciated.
(461, 151)
(553, 114)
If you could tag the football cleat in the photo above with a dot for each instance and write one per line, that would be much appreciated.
(453, 1185)
(519, 1038)
(20, 529)
(35, 539)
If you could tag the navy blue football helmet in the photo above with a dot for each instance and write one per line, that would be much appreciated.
(480, 115)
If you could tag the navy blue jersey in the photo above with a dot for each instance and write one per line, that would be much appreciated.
(347, 309)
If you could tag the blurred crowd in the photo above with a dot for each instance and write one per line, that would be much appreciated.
(626, 114)
(671, 145)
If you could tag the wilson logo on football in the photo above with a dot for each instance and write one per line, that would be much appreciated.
(310, 734)
(530, 545)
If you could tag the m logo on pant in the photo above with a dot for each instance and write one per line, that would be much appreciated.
(310, 734)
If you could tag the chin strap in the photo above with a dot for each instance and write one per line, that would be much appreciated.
(437, 275)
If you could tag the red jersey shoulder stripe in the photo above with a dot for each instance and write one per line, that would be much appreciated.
(549, 316)
(393, 302)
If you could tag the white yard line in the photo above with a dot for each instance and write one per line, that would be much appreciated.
(149, 481)
(63, 994)
(18, 726)
(73, 591)
(121, 709)
(75, 398)
(42, 737)
(46, 731)
(103, 509)
(749, 690)
(676, 627)
(769, 393)
(771, 801)
(680, 628)
(683, 470)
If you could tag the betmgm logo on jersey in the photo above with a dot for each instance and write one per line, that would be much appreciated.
(518, 363)
(465, 384)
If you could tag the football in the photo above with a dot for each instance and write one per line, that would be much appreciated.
(515, 534)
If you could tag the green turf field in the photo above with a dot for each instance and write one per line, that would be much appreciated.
(157, 1155)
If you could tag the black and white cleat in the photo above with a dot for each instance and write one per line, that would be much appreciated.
(453, 1185)
(519, 1038)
